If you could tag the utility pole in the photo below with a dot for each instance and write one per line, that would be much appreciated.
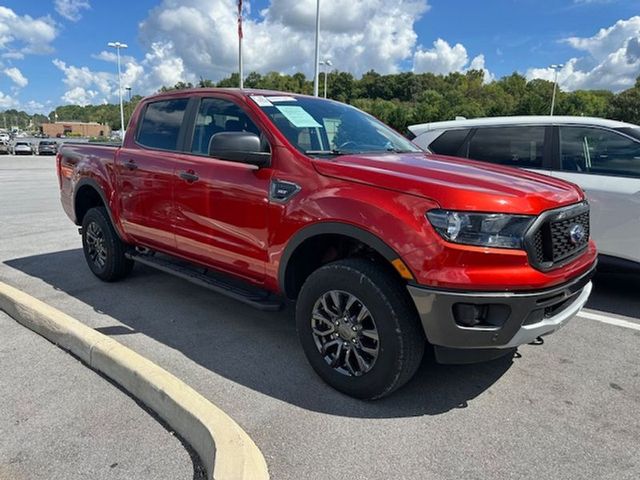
(240, 36)
(327, 64)
(118, 46)
(555, 67)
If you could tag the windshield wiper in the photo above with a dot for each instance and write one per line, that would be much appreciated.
(334, 151)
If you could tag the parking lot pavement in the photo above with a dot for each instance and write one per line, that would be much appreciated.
(60, 419)
(566, 409)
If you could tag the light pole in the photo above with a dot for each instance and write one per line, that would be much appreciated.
(316, 72)
(327, 64)
(555, 67)
(118, 46)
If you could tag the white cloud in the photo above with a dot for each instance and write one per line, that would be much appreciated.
(7, 101)
(200, 32)
(611, 60)
(16, 76)
(444, 59)
(71, 9)
(22, 34)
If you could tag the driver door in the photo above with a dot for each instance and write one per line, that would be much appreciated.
(221, 206)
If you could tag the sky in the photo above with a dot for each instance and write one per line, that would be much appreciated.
(54, 52)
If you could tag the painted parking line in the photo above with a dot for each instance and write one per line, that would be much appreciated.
(618, 322)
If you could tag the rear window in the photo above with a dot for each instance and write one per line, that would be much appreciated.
(161, 124)
(449, 142)
(512, 146)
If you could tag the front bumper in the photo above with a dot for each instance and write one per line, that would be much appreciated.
(507, 319)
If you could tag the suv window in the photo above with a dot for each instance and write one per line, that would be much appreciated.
(513, 146)
(214, 116)
(594, 150)
(449, 142)
(161, 124)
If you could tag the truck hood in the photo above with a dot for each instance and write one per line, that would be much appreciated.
(454, 183)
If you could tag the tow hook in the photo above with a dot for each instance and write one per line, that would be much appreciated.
(80, 230)
(537, 341)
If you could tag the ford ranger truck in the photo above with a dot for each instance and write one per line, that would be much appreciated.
(384, 249)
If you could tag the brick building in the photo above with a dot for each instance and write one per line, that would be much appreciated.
(90, 129)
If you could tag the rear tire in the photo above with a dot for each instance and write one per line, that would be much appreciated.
(103, 249)
(342, 309)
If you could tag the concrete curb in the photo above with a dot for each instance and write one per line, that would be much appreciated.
(225, 449)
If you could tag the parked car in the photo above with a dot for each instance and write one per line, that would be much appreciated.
(22, 148)
(601, 156)
(267, 196)
(4, 147)
(47, 147)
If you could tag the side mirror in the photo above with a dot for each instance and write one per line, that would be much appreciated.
(244, 147)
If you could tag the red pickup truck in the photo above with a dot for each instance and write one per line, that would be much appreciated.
(386, 249)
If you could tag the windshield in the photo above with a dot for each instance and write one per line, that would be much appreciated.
(319, 127)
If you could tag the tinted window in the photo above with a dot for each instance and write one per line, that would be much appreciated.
(513, 146)
(631, 131)
(449, 142)
(214, 116)
(593, 150)
(161, 124)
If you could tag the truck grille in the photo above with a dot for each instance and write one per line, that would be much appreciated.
(558, 236)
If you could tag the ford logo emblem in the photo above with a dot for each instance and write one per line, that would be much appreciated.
(577, 234)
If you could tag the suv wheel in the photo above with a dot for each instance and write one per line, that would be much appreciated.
(103, 249)
(359, 328)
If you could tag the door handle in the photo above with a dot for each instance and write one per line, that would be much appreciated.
(131, 165)
(189, 176)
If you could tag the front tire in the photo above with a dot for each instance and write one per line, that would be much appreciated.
(359, 329)
(103, 249)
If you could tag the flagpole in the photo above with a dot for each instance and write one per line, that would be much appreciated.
(240, 35)
(316, 72)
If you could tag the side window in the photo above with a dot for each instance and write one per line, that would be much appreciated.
(593, 150)
(161, 124)
(214, 116)
(513, 146)
(449, 142)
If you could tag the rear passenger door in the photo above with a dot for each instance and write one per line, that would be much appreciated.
(145, 173)
(606, 164)
(526, 147)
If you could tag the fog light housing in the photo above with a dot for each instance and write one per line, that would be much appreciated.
(487, 315)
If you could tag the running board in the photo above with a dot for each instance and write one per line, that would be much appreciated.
(219, 283)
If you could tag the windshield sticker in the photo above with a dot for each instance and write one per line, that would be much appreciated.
(282, 99)
(261, 101)
(298, 116)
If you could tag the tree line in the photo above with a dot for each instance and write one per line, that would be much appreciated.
(406, 98)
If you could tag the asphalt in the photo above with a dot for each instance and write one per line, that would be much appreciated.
(61, 420)
(566, 409)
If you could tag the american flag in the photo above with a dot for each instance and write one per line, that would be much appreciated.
(240, 19)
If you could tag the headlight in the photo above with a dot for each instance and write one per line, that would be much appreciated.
(483, 229)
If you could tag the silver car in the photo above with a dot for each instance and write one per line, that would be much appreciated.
(601, 156)
(22, 148)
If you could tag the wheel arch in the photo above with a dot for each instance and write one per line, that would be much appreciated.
(334, 231)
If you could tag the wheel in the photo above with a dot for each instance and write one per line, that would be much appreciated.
(103, 249)
(359, 329)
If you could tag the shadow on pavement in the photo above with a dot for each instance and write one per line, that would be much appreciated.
(256, 349)
(616, 293)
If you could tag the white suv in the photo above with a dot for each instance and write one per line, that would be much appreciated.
(601, 156)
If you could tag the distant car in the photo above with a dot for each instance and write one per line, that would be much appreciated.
(47, 147)
(22, 148)
(4, 147)
(601, 156)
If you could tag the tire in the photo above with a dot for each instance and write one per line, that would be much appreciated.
(103, 249)
(387, 363)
